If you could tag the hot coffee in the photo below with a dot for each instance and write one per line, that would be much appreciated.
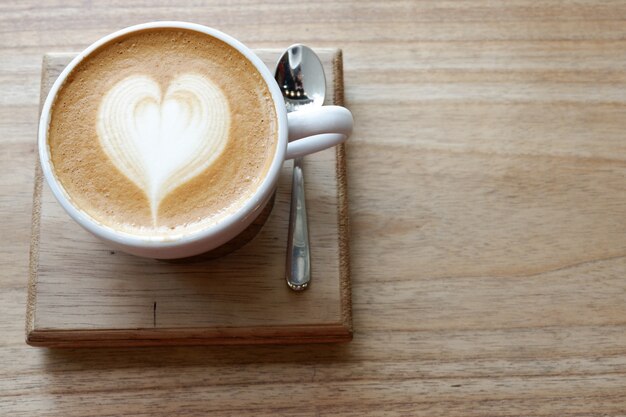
(162, 132)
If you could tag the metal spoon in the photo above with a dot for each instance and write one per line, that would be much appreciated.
(299, 91)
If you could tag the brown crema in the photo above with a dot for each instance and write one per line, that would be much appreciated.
(93, 182)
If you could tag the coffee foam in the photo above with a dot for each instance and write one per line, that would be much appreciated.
(162, 140)
(125, 126)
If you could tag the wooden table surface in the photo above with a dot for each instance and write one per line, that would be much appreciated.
(487, 189)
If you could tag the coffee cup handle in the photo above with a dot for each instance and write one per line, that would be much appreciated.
(313, 130)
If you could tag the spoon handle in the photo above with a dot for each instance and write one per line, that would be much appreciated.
(298, 254)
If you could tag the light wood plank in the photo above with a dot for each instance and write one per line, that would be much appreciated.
(487, 234)
(82, 293)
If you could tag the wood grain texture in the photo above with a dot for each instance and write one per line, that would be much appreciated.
(83, 293)
(487, 203)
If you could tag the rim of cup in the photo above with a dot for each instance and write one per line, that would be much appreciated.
(221, 231)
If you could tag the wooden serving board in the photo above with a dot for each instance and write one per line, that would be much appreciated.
(82, 293)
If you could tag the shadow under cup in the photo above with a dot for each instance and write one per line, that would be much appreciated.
(235, 243)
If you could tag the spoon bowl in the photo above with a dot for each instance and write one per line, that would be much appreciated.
(300, 76)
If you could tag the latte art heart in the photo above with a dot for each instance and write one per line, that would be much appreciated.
(160, 140)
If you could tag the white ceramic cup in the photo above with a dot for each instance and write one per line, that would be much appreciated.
(310, 131)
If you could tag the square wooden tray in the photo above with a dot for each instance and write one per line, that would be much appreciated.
(82, 293)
